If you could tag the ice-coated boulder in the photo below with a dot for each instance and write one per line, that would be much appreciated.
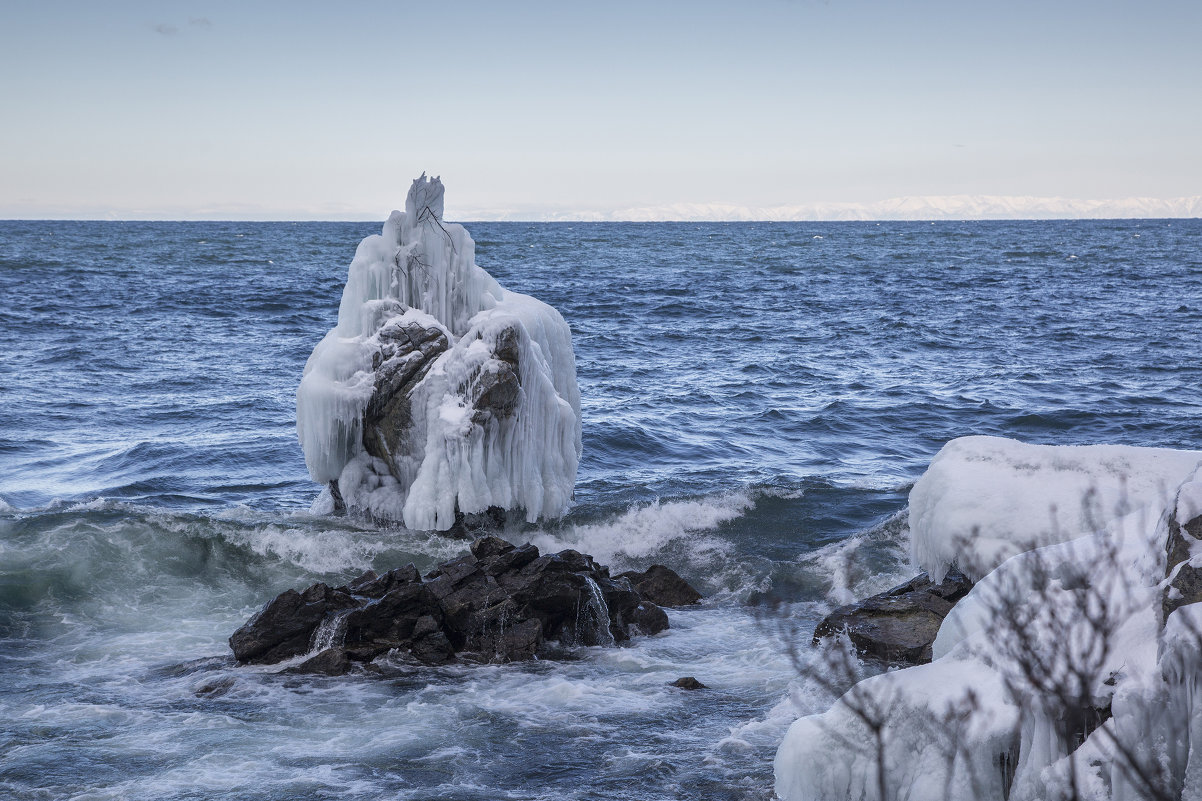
(985, 499)
(439, 393)
(1075, 664)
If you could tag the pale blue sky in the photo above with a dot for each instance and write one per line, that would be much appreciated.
(304, 110)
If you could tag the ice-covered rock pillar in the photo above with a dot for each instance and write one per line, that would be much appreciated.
(439, 392)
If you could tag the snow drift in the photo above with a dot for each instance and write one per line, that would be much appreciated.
(1075, 664)
(439, 392)
(984, 499)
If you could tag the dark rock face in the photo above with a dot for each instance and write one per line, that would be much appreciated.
(498, 604)
(1186, 586)
(663, 586)
(407, 352)
(285, 626)
(898, 626)
(495, 391)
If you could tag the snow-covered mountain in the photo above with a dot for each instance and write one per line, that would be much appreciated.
(931, 207)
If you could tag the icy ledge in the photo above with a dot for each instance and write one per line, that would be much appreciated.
(439, 392)
(985, 499)
(1069, 670)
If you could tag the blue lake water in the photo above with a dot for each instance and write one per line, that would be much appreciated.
(757, 400)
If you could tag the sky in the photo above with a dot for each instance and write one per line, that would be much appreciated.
(321, 110)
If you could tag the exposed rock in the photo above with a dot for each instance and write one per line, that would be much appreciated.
(663, 586)
(897, 626)
(1185, 584)
(496, 389)
(407, 351)
(285, 627)
(497, 604)
(330, 662)
(477, 524)
(336, 497)
(689, 683)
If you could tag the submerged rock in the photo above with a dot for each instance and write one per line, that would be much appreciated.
(499, 603)
(689, 683)
(898, 626)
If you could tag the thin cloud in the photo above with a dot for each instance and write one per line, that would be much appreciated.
(195, 23)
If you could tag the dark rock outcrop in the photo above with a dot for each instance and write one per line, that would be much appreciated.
(495, 390)
(663, 586)
(897, 626)
(1185, 585)
(499, 603)
(407, 351)
(284, 628)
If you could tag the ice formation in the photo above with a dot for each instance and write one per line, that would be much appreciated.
(984, 499)
(439, 391)
(977, 723)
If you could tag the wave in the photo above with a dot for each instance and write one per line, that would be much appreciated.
(645, 530)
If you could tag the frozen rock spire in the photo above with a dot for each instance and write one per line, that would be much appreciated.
(439, 391)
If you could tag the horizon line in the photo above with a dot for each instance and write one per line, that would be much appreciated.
(912, 208)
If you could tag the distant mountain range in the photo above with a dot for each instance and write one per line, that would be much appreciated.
(942, 207)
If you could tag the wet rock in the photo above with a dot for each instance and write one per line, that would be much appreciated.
(285, 627)
(900, 625)
(663, 586)
(477, 524)
(689, 683)
(330, 662)
(499, 603)
(215, 689)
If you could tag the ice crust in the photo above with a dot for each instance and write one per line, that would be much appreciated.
(1150, 675)
(422, 270)
(984, 499)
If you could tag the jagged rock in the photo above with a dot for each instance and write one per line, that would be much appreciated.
(1185, 585)
(477, 524)
(897, 626)
(285, 627)
(496, 389)
(663, 586)
(499, 603)
(689, 683)
(407, 351)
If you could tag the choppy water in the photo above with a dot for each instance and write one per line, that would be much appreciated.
(757, 400)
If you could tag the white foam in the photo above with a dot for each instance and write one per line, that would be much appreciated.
(645, 529)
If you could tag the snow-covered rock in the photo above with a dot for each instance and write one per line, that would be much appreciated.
(439, 392)
(1057, 664)
(984, 499)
